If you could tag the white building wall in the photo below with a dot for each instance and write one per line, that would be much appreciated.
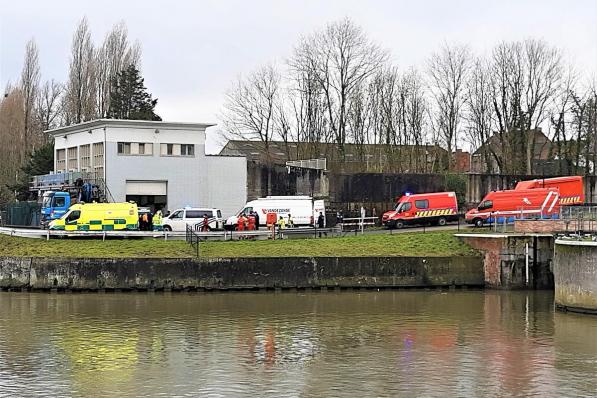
(227, 186)
(184, 175)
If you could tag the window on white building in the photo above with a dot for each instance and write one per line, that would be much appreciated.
(60, 160)
(124, 148)
(72, 159)
(187, 150)
(145, 148)
(85, 157)
(177, 150)
(98, 159)
(135, 148)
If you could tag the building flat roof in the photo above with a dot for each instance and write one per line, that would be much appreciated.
(93, 124)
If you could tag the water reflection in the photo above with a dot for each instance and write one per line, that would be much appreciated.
(295, 344)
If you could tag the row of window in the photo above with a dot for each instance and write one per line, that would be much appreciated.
(146, 148)
(88, 157)
(135, 148)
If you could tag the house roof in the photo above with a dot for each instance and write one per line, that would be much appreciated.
(254, 150)
(93, 124)
(540, 140)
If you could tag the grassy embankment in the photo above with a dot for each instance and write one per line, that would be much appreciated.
(430, 244)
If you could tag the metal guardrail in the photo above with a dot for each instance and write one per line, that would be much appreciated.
(47, 234)
(168, 235)
(358, 223)
(318, 164)
(578, 212)
(192, 238)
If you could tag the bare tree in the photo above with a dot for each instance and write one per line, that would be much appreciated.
(447, 74)
(544, 73)
(340, 58)
(415, 111)
(479, 116)
(30, 76)
(48, 105)
(525, 77)
(388, 98)
(80, 104)
(115, 55)
(559, 122)
(251, 105)
(358, 121)
(309, 111)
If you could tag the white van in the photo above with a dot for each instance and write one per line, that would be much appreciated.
(303, 209)
(180, 218)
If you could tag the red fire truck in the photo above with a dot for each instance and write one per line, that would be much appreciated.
(500, 206)
(436, 207)
(572, 191)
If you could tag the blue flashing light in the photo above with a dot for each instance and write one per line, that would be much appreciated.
(407, 193)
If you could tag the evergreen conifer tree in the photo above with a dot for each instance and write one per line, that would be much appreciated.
(40, 162)
(129, 98)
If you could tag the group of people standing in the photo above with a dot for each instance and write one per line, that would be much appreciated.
(150, 222)
(248, 222)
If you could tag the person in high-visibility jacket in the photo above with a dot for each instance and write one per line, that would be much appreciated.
(157, 221)
(281, 223)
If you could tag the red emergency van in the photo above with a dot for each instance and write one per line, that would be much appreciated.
(572, 190)
(500, 206)
(436, 207)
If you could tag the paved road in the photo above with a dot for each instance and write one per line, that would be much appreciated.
(407, 229)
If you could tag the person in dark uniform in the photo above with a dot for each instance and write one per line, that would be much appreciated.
(256, 215)
(321, 223)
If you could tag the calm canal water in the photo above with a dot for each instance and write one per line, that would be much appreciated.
(400, 343)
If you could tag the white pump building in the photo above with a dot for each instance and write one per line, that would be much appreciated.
(158, 164)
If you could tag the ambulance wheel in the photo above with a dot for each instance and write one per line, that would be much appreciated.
(399, 225)
(441, 221)
(167, 228)
(478, 222)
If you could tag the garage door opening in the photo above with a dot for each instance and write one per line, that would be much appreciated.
(151, 194)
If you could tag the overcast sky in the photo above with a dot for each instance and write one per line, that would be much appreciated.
(193, 50)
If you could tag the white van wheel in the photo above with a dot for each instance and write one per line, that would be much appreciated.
(167, 228)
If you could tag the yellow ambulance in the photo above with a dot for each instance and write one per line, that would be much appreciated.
(98, 217)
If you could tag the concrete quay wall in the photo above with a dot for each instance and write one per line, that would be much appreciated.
(575, 275)
(508, 265)
(239, 273)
